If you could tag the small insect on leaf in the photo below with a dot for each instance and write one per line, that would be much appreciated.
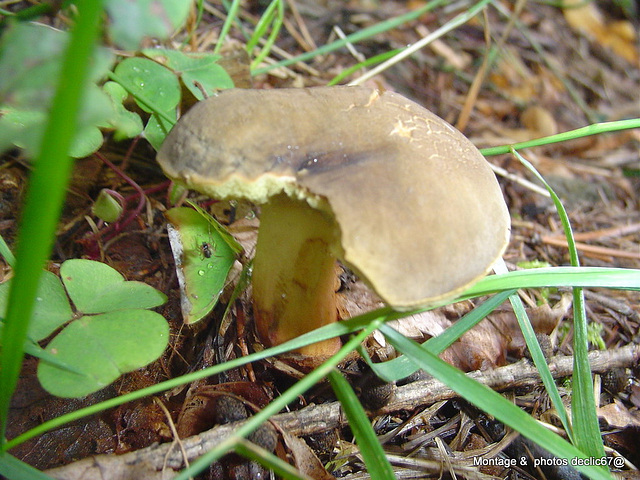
(206, 249)
(203, 257)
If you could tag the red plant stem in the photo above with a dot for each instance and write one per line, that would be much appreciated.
(120, 225)
(121, 200)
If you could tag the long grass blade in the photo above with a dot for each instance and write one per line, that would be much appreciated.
(494, 404)
(555, 277)
(6, 253)
(44, 200)
(354, 37)
(14, 469)
(278, 403)
(537, 356)
(447, 27)
(372, 452)
(232, 16)
(585, 277)
(268, 460)
(402, 367)
(270, 17)
(585, 418)
(594, 129)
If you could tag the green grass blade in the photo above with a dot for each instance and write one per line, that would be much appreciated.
(279, 403)
(35, 350)
(586, 427)
(402, 367)
(583, 408)
(438, 344)
(537, 356)
(269, 17)
(375, 60)
(594, 129)
(262, 26)
(267, 459)
(6, 253)
(231, 17)
(541, 363)
(592, 277)
(337, 329)
(372, 452)
(24, 15)
(452, 24)
(557, 276)
(14, 469)
(354, 37)
(492, 403)
(47, 187)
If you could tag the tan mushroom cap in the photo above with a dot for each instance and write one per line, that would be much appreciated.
(420, 213)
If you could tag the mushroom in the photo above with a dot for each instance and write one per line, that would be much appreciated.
(373, 179)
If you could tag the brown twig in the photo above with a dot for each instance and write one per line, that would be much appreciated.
(592, 250)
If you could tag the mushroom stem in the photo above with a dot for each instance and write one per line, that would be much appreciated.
(294, 274)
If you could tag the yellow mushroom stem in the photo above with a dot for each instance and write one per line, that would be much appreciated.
(294, 274)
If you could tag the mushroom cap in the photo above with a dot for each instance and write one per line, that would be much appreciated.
(420, 212)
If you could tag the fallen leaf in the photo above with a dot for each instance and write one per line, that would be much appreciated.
(617, 415)
(619, 36)
(304, 459)
(539, 121)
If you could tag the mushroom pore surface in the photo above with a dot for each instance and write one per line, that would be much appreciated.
(420, 213)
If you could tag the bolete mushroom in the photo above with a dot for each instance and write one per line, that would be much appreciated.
(370, 178)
